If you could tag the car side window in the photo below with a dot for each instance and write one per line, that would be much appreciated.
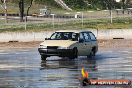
(81, 36)
(86, 37)
(93, 38)
(56, 36)
(75, 36)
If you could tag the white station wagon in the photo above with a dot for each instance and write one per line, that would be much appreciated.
(69, 43)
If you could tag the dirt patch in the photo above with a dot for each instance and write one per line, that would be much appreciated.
(116, 43)
(19, 44)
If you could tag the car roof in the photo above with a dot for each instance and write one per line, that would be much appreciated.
(75, 31)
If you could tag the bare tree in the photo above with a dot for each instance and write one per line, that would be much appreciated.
(29, 6)
(21, 8)
(123, 3)
(4, 7)
(31, 2)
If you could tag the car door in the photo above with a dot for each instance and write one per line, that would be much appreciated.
(93, 40)
(87, 43)
(84, 44)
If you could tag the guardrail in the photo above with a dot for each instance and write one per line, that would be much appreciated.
(44, 16)
(40, 36)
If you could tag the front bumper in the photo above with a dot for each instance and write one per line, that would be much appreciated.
(56, 52)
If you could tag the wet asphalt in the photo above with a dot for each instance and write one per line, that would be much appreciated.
(23, 68)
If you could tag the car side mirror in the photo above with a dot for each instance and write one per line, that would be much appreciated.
(47, 38)
(81, 40)
(74, 39)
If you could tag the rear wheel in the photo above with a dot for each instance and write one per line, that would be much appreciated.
(74, 55)
(92, 53)
(43, 57)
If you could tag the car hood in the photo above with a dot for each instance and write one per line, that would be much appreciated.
(63, 43)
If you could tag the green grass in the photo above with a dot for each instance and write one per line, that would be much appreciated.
(118, 23)
(13, 8)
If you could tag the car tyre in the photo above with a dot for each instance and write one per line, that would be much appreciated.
(75, 52)
(72, 57)
(43, 57)
(91, 54)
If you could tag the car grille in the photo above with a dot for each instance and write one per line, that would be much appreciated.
(52, 47)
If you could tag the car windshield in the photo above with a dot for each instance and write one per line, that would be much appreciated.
(64, 36)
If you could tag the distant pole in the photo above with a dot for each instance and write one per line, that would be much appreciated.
(82, 20)
(111, 13)
(25, 23)
(82, 17)
(53, 19)
(123, 1)
(111, 16)
(5, 11)
(111, 8)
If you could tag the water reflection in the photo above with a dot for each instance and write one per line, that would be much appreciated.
(68, 71)
(57, 64)
(89, 64)
(26, 70)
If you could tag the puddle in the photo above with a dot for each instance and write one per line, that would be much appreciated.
(26, 70)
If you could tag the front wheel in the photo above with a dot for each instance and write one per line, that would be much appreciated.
(92, 53)
(43, 57)
(74, 55)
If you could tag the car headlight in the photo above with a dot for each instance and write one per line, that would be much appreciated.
(42, 46)
(60, 47)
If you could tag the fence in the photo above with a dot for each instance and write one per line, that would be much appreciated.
(65, 20)
(59, 19)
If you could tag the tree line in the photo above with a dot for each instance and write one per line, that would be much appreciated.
(98, 4)
(74, 4)
(83, 4)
